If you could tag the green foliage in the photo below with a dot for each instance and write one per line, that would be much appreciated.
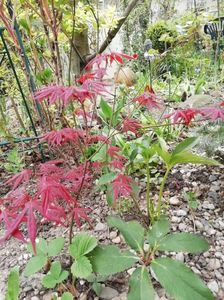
(191, 200)
(13, 289)
(187, 284)
(67, 296)
(44, 250)
(54, 276)
(162, 34)
(14, 161)
(82, 244)
(104, 256)
(132, 232)
(141, 287)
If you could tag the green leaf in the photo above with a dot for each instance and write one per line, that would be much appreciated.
(106, 178)
(184, 242)
(55, 246)
(179, 281)
(110, 195)
(165, 155)
(185, 145)
(109, 260)
(55, 269)
(49, 281)
(106, 109)
(54, 276)
(34, 265)
(82, 267)
(41, 247)
(67, 296)
(158, 230)
(97, 287)
(140, 285)
(190, 158)
(82, 244)
(132, 232)
(13, 289)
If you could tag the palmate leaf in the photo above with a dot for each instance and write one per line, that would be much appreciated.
(109, 260)
(82, 244)
(179, 281)
(132, 232)
(183, 242)
(54, 276)
(140, 285)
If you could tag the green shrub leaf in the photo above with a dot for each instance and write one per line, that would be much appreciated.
(34, 265)
(179, 281)
(132, 232)
(13, 289)
(140, 285)
(49, 282)
(55, 246)
(109, 260)
(158, 230)
(185, 145)
(55, 269)
(106, 178)
(106, 109)
(82, 244)
(184, 242)
(97, 287)
(82, 267)
(190, 158)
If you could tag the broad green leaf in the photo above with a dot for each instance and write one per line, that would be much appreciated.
(13, 289)
(179, 281)
(158, 230)
(97, 287)
(63, 276)
(106, 178)
(41, 247)
(106, 109)
(55, 246)
(49, 281)
(55, 269)
(190, 158)
(109, 260)
(101, 154)
(185, 145)
(140, 285)
(34, 265)
(183, 242)
(67, 296)
(82, 244)
(82, 267)
(132, 232)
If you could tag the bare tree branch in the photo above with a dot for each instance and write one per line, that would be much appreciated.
(112, 33)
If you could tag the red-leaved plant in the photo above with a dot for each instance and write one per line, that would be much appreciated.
(52, 192)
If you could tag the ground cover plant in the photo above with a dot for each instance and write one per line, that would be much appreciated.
(103, 155)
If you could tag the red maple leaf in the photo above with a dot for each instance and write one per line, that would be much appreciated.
(31, 225)
(185, 115)
(62, 136)
(19, 178)
(212, 113)
(122, 186)
(148, 99)
(50, 167)
(118, 163)
(109, 58)
(81, 213)
(96, 87)
(113, 151)
(131, 125)
(86, 76)
(97, 138)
